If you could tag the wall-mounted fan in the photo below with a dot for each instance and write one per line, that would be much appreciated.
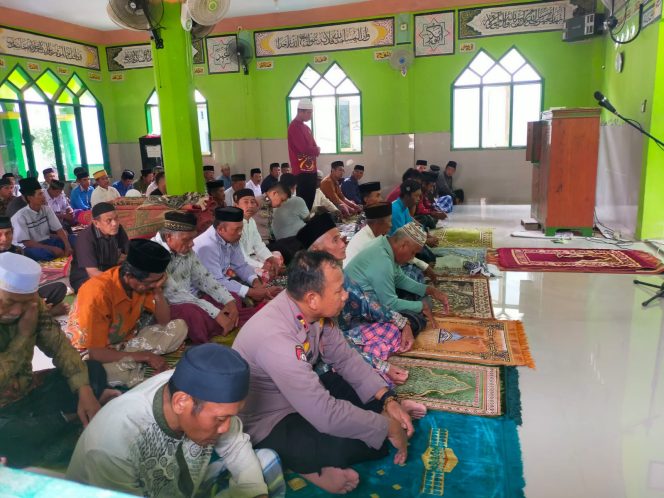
(401, 59)
(244, 53)
(138, 15)
(207, 12)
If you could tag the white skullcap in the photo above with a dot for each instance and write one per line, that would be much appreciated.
(132, 192)
(305, 105)
(19, 274)
(415, 232)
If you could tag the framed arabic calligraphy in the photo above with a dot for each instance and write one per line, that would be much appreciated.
(220, 55)
(520, 18)
(434, 33)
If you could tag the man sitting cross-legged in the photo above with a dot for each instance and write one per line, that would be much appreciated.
(100, 247)
(374, 330)
(177, 434)
(219, 250)
(318, 426)
(37, 227)
(377, 267)
(106, 318)
(193, 293)
(35, 409)
(253, 248)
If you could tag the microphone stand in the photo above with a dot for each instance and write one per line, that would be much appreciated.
(633, 124)
(637, 126)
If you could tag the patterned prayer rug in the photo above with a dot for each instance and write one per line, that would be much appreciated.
(450, 260)
(54, 270)
(171, 358)
(451, 387)
(487, 342)
(576, 260)
(449, 455)
(463, 237)
(468, 296)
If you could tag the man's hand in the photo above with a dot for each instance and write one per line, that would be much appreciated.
(225, 322)
(55, 251)
(431, 273)
(397, 375)
(88, 406)
(68, 251)
(344, 210)
(273, 291)
(407, 339)
(439, 296)
(397, 437)
(154, 360)
(271, 267)
(426, 311)
(27, 323)
(394, 410)
(230, 309)
(432, 241)
(258, 293)
(159, 285)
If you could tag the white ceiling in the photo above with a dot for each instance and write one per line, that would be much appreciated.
(92, 13)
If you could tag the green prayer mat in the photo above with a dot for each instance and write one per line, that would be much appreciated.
(450, 455)
(450, 260)
(451, 387)
(468, 297)
(463, 237)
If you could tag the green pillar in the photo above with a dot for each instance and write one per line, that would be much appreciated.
(174, 81)
(650, 224)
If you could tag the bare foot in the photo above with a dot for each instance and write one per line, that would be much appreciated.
(334, 480)
(413, 408)
(397, 375)
(108, 395)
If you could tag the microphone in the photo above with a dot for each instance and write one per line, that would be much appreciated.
(604, 102)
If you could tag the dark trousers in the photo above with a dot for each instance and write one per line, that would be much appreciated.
(305, 450)
(458, 196)
(53, 293)
(426, 255)
(29, 424)
(307, 183)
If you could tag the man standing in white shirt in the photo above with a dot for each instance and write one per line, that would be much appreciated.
(104, 191)
(255, 252)
(254, 182)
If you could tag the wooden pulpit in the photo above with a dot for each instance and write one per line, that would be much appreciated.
(563, 149)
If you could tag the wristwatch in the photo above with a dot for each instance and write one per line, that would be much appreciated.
(390, 394)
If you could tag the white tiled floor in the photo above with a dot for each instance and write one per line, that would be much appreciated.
(593, 410)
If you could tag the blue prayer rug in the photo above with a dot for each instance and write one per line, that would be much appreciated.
(450, 455)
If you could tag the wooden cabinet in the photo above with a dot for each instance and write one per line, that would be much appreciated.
(563, 148)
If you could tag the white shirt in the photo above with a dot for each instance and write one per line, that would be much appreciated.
(59, 204)
(151, 188)
(129, 447)
(320, 200)
(229, 196)
(254, 250)
(103, 195)
(34, 225)
(256, 189)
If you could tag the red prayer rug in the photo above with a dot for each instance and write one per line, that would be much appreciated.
(575, 260)
(54, 270)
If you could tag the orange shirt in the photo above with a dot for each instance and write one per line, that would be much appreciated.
(103, 314)
(332, 190)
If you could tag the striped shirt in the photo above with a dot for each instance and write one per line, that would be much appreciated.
(29, 224)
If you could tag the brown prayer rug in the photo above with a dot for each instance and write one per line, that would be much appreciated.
(451, 387)
(468, 296)
(483, 341)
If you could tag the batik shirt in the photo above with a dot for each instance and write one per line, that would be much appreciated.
(188, 278)
(128, 446)
(16, 353)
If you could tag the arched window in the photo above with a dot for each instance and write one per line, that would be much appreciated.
(337, 120)
(154, 126)
(494, 101)
(47, 123)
